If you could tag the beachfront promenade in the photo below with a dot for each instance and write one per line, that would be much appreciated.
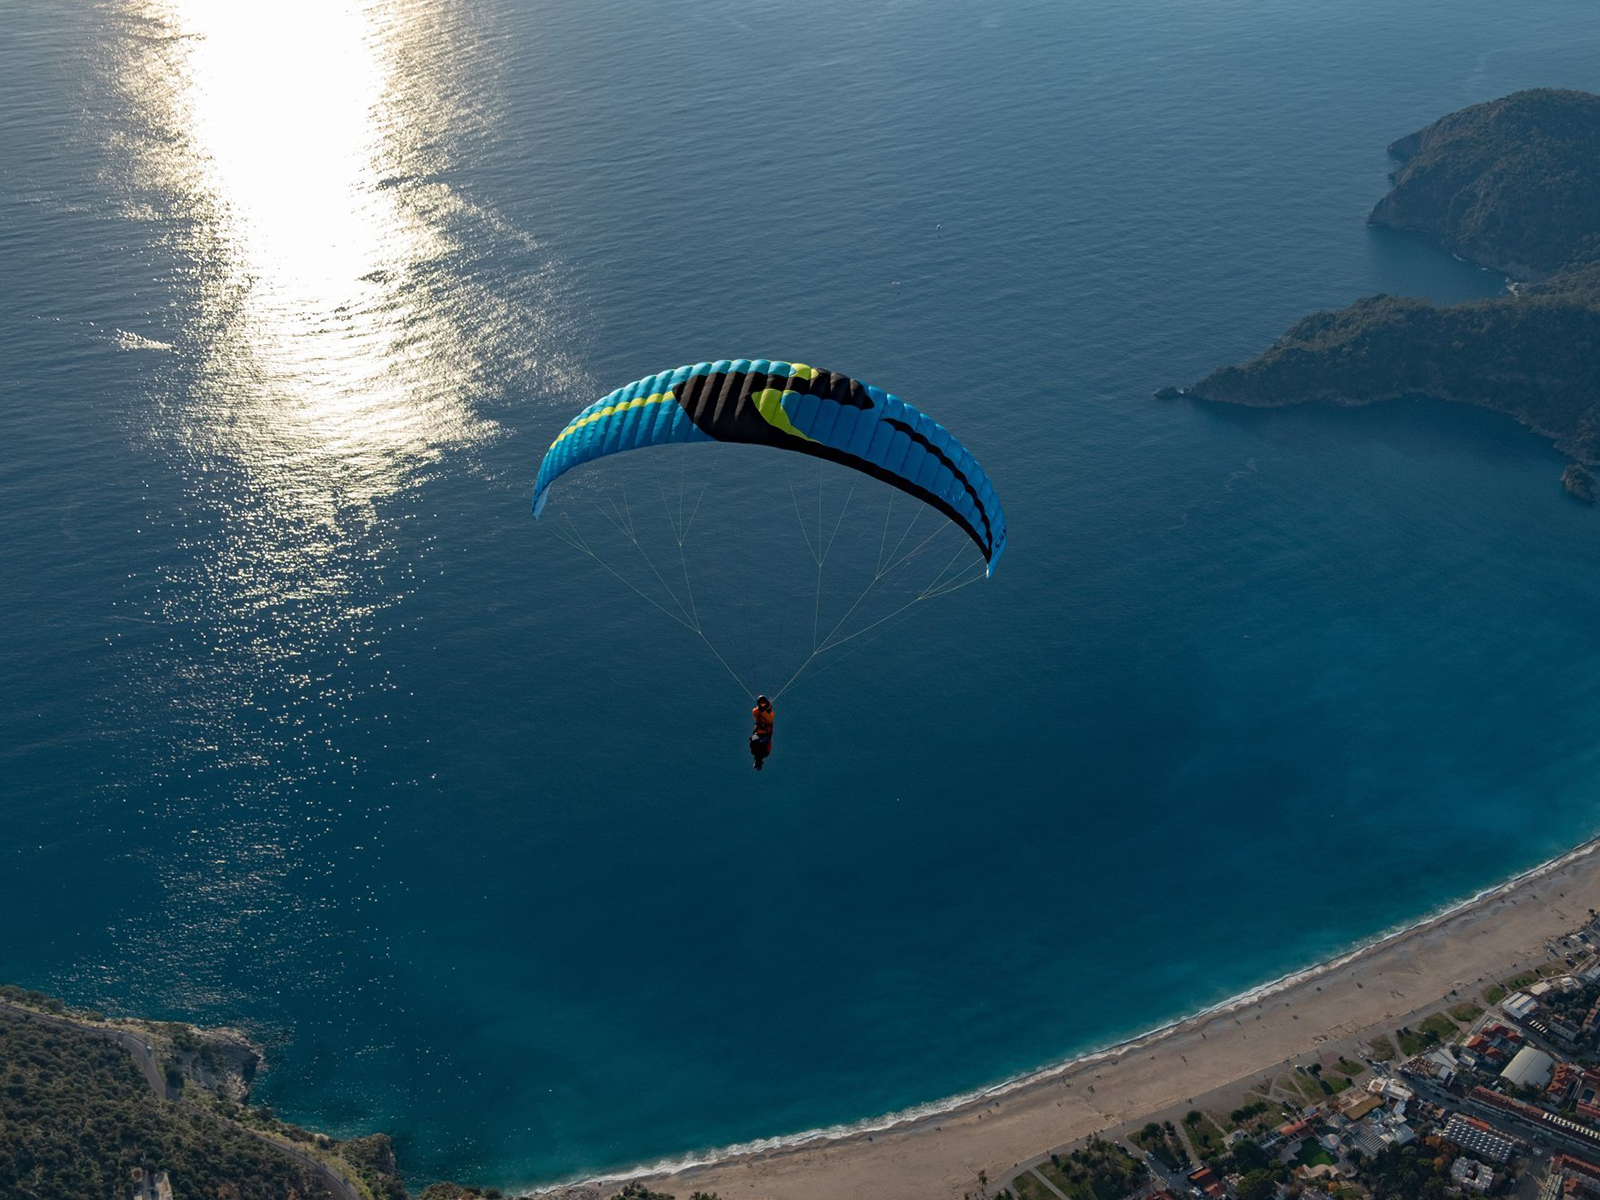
(1208, 1061)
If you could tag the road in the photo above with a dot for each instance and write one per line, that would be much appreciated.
(1175, 1181)
(144, 1055)
(1535, 1132)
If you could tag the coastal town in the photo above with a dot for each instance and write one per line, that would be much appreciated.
(1496, 1093)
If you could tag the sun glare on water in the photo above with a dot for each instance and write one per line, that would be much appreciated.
(300, 154)
(325, 352)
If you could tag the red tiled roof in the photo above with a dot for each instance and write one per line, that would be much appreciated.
(1566, 1162)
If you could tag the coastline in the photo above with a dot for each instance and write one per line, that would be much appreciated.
(1508, 354)
(1558, 440)
(940, 1148)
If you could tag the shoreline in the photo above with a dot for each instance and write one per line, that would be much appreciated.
(871, 1156)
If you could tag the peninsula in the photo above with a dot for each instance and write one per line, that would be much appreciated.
(1513, 185)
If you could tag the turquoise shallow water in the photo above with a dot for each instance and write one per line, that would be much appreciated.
(310, 728)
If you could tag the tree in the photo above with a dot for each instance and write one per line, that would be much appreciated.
(637, 1191)
(1248, 1156)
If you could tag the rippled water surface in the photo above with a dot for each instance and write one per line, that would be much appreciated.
(308, 727)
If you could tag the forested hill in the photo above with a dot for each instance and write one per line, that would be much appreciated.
(1513, 184)
(84, 1117)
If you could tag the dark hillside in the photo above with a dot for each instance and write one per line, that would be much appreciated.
(76, 1117)
(1513, 184)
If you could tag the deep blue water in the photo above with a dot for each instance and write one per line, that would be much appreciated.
(309, 727)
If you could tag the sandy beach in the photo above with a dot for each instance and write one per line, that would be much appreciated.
(1319, 1012)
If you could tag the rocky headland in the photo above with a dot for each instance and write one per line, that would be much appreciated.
(1514, 185)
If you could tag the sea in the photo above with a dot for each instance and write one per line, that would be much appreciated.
(309, 727)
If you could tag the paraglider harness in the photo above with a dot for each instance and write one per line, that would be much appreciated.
(761, 735)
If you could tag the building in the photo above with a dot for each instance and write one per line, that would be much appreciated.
(1538, 1116)
(1588, 1087)
(1480, 1138)
(1471, 1174)
(1570, 1178)
(1531, 1067)
(1320, 1171)
(1564, 1031)
(1491, 1047)
(1580, 1168)
(1293, 1131)
(1380, 1131)
(1563, 1083)
(1519, 1006)
(1360, 1105)
(1391, 1088)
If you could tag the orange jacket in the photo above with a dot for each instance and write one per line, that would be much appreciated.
(763, 719)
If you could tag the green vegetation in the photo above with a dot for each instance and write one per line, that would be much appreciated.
(76, 1116)
(1102, 1170)
(1405, 1173)
(1413, 1041)
(1260, 1184)
(1345, 1067)
(1247, 1156)
(1493, 994)
(1382, 1049)
(1517, 982)
(1162, 1143)
(1312, 1088)
(1029, 1188)
(1205, 1135)
(1440, 1027)
(373, 1160)
(1513, 184)
(1579, 481)
(1533, 357)
(1466, 1013)
(20, 995)
(1312, 1154)
(1257, 1117)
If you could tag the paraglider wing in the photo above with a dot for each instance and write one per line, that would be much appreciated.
(793, 407)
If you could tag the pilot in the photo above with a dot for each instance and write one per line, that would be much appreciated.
(761, 735)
